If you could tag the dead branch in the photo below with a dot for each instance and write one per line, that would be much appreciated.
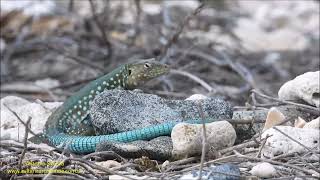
(102, 29)
(193, 77)
(25, 143)
(304, 106)
(176, 35)
(204, 138)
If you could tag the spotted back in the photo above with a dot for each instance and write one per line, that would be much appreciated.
(71, 116)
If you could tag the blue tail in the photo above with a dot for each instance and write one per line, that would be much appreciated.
(87, 144)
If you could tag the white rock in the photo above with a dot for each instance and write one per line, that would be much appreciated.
(81, 8)
(299, 16)
(13, 101)
(304, 87)
(187, 138)
(260, 40)
(11, 127)
(29, 7)
(273, 26)
(278, 143)
(190, 4)
(2, 45)
(109, 164)
(278, 25)
(196, 97)
(47, 83)
(314, 124)
(165, 164)
(264, 170)
(214, 34)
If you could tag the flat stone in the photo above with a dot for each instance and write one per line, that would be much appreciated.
(158, 148)
(119, 110)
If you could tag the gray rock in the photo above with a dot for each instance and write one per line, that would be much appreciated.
(159, 148)
(119, 110)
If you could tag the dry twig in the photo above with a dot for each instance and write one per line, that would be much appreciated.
(102, 29)
(240, 69)
(274, 162)
(24, 123)
(313, 109)
(204, 138)
(176, 35)
(104, 153)
(193, 77)
(95, 166)
(202, 55)
(137, 28)
(310, 150)
(239, 146)
(25, 143)
(77, 59)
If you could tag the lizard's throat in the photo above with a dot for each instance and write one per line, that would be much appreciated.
(132, 84)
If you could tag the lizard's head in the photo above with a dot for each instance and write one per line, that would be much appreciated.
(141, 71)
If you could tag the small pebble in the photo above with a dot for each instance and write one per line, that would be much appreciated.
(264, 170)
(109, 164)
(196, 97)
(165, 164)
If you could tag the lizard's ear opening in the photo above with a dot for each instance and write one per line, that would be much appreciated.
(129, 72)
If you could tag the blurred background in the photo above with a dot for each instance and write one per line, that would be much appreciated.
(50, 48)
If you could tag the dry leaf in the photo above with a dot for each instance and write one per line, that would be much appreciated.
(299, 123)
(274, 117)
(48, 24)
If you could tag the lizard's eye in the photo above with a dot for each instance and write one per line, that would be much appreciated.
(147, 65)
(129, 72)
